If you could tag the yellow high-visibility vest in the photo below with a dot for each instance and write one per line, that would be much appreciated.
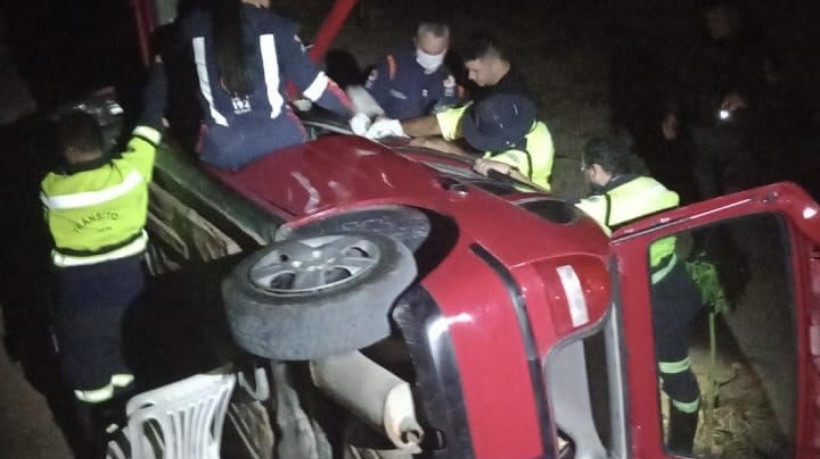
(639, 197)
(99, 214)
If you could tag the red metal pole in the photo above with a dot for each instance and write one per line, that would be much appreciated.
(142, 19)
(330, 27)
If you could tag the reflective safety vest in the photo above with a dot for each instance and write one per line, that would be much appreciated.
(630, 201)
(98, 214)
(534, 161)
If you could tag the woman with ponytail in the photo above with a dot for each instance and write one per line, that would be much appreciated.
(244, 56)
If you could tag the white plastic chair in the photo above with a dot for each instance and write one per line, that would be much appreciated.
(182, 420)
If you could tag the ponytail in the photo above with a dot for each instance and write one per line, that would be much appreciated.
(226, 20)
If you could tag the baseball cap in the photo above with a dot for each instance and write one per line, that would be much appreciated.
(499, 122)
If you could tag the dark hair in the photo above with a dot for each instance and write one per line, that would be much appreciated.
(226, 20)
(78, 131)
(480, 45)
(438, 29)
(610, 152)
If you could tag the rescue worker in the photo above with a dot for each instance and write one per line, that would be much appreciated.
(244, 56)
(95, 208)
(490, 69)
(618, 198)
(502, 126)
(722, 96)
(413, 81)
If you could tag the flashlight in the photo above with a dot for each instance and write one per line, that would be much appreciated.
(724, 114)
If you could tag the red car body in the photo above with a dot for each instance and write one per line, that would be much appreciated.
(502, 303)
(500, 337)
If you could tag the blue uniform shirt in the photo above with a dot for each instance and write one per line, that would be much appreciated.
(241, 129)
(404, 90)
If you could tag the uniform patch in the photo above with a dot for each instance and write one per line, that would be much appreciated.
(241, 105)
(99, 217)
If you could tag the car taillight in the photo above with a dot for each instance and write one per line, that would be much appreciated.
(576, 291)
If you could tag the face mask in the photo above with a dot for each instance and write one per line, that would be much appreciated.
(430, 62)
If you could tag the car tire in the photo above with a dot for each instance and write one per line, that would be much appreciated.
(313, 297)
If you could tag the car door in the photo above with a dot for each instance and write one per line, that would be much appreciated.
(759, 392)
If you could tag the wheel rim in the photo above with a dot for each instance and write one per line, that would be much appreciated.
(316, 264)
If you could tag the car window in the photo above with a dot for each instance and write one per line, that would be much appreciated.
(740, 345)
(195, 217)
(553, 210)
(579, 376)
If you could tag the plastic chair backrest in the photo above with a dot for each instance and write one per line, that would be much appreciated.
(186, 418)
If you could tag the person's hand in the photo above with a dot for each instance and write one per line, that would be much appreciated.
(360, 123)
(669, 126)
(302, 105)
(733, 101)
(385, 127)
(483, 166)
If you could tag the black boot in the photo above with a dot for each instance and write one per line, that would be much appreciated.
(88, 432)
(96, 424)
(682, 428)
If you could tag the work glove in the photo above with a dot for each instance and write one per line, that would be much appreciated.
(302, 105)
(385, 127)
(360, 123)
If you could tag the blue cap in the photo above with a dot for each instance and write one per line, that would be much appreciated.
(499, 122)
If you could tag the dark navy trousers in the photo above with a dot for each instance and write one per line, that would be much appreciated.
(676, 303)
(91, 302)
